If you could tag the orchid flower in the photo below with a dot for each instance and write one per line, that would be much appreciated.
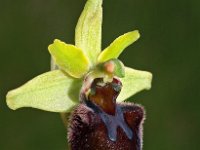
(58, 90)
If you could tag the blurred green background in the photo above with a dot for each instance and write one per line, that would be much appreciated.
(169, 47)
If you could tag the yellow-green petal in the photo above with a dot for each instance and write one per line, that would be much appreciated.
(118, 45)
(134, 82)
(52, 91)
(88, 30)
(69, 58)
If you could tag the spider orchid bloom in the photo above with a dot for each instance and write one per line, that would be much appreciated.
(78, 68)
(58, 90)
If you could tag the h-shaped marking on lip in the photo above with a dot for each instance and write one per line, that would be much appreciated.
(112, 122)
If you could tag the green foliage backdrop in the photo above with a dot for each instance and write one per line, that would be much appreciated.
(169, 47)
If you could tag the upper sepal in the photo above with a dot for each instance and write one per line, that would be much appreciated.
(89, 29)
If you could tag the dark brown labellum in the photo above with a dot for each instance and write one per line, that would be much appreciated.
(87, 131)
(100, 123)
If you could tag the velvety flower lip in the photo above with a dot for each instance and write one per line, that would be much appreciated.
(88, 132)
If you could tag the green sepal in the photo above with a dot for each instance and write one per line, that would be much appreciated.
(88, 30)
(69, 58)
(134, 82)
(53, 91)
(118, 45)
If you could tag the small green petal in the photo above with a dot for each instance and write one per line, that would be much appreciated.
(134, 82)
(52, 91)
(69, 58)
(118, 45)
(88, 30)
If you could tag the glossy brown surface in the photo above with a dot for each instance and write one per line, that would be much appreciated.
(105, 96)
